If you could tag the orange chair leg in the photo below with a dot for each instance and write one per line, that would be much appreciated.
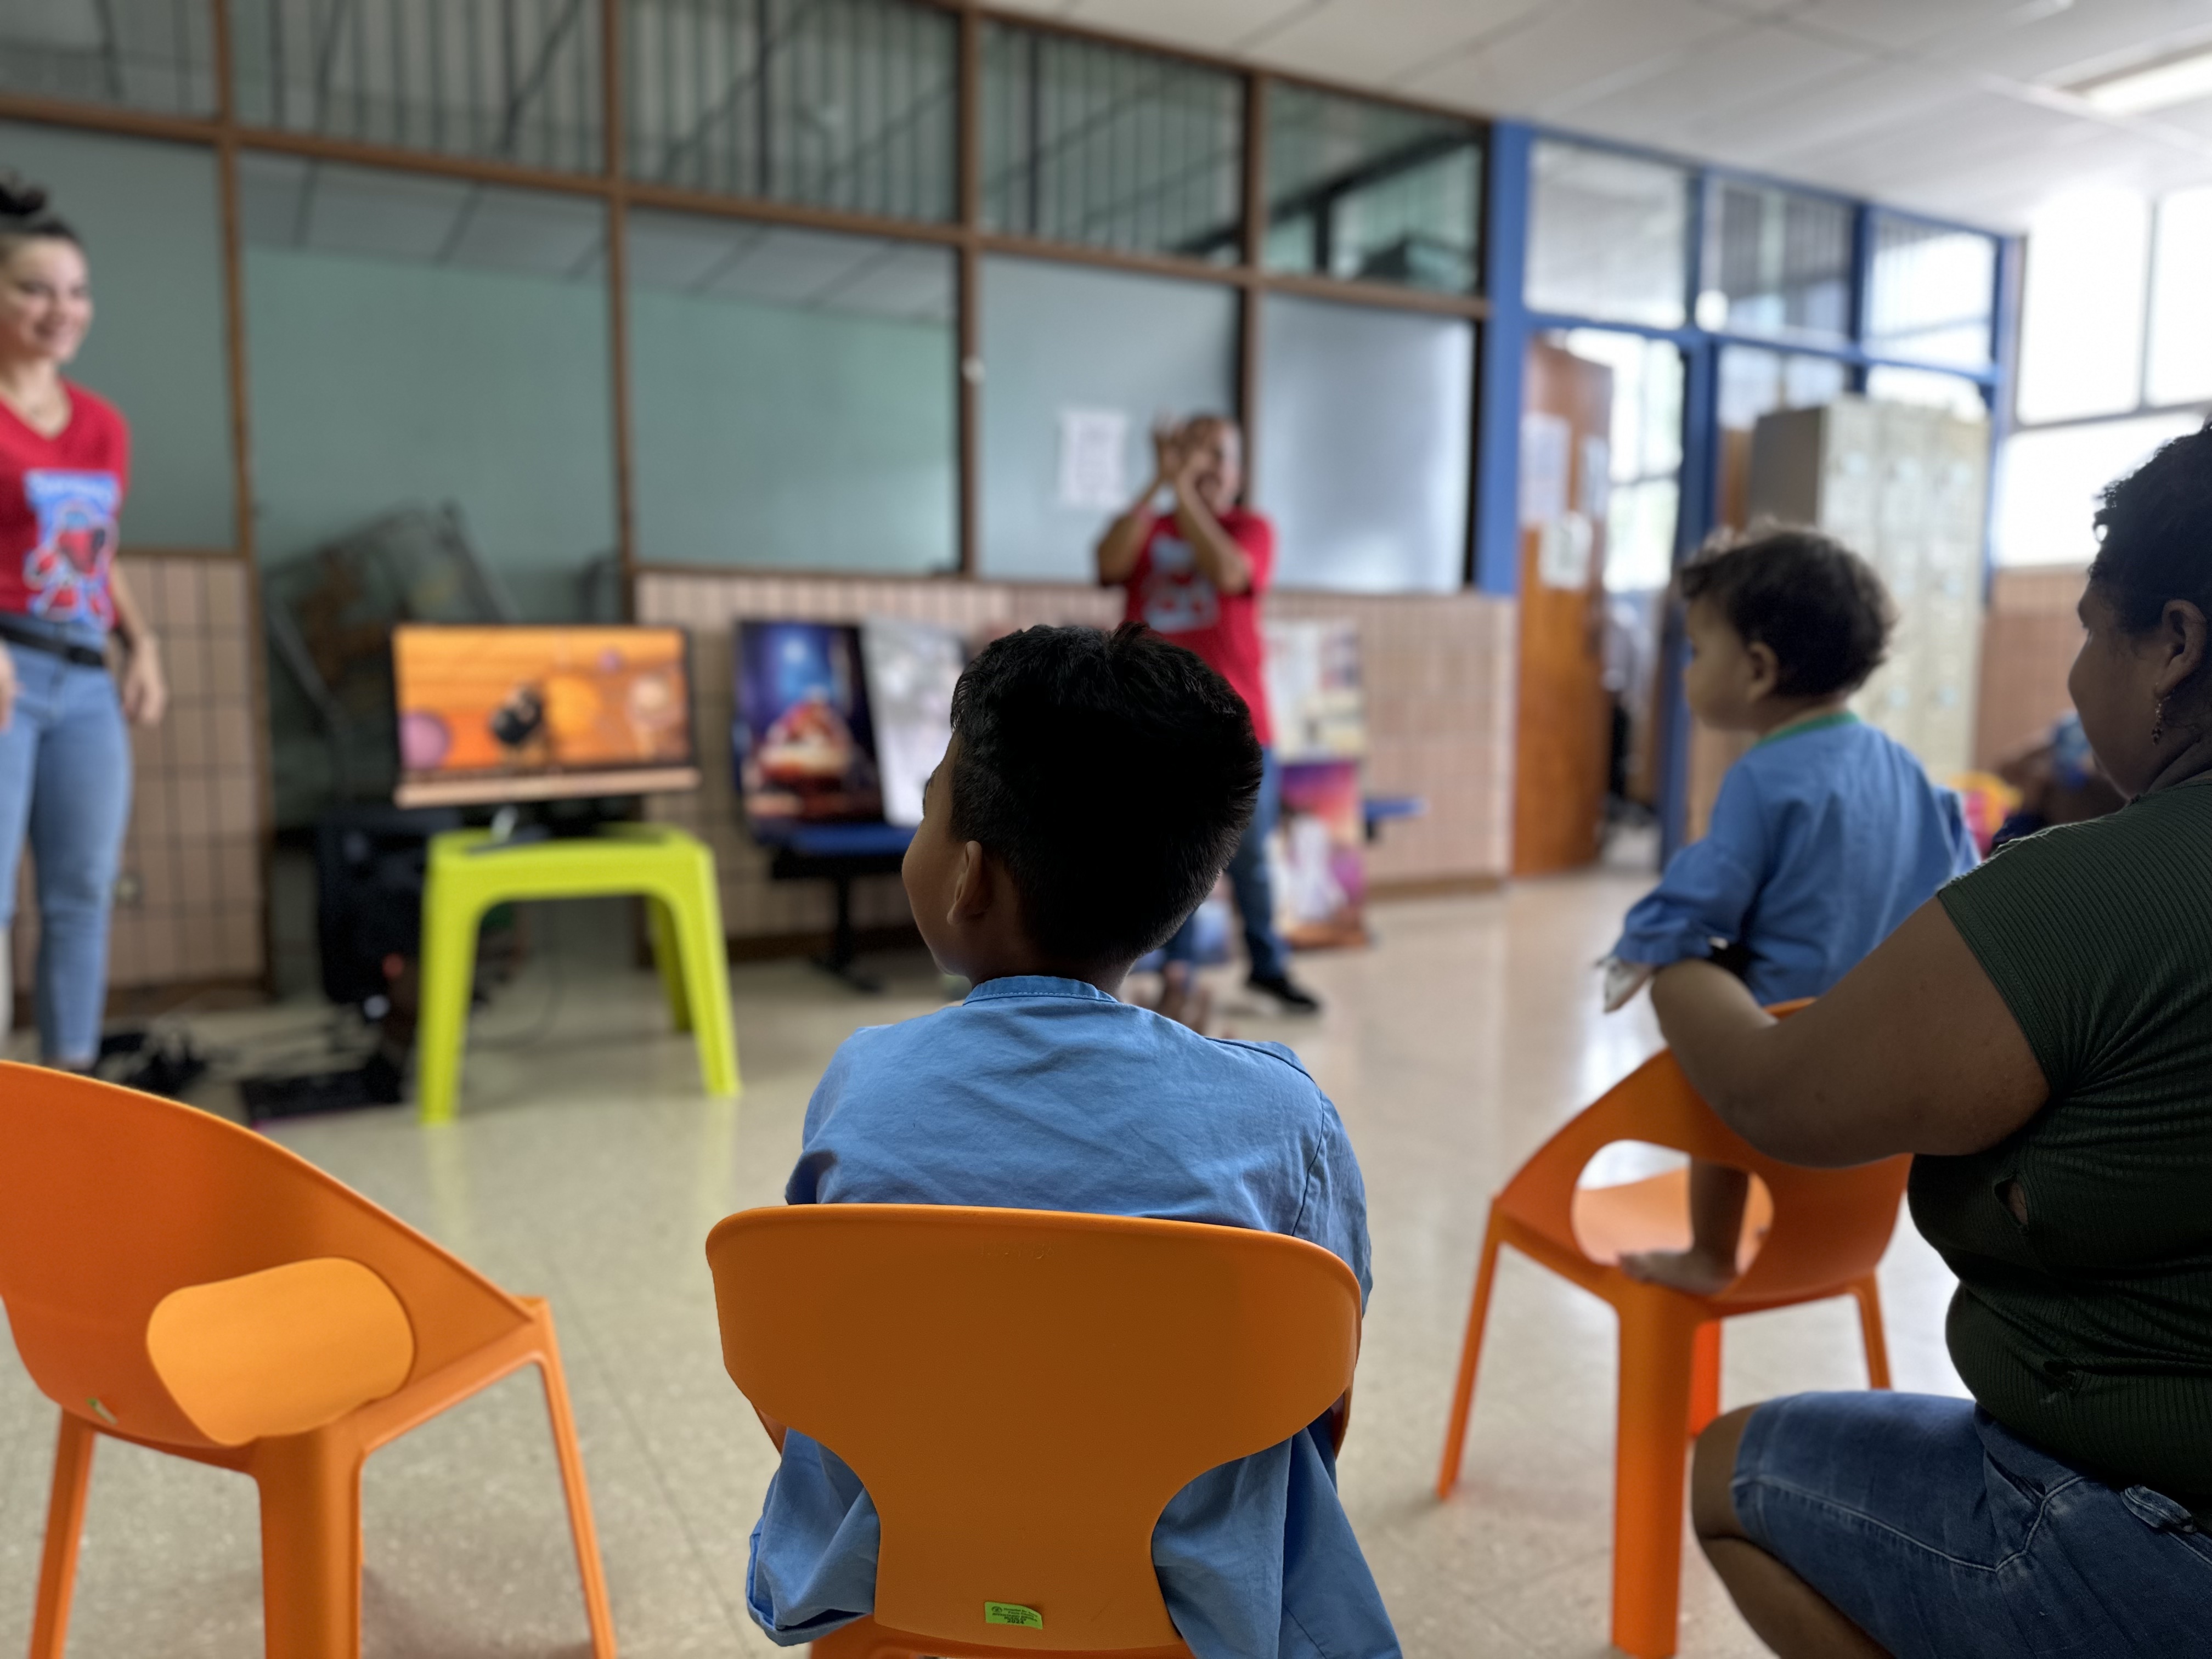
(1705, 1377)
(1868, 1297)
(1470, 1355)
(1658, 1337)
(310, 1545)
(588, 1567)
(64, 1533)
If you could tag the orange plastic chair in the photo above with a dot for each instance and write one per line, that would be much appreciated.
(181, 1283)
(1825, 1231)
(1022, 1392)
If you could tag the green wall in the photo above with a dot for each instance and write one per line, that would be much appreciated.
(773, 435)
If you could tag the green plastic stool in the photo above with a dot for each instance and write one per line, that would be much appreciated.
(675, 872)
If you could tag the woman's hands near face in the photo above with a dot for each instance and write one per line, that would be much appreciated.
(145, 687)
(1170, 458)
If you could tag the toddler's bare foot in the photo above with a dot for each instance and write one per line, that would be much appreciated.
(1692, 1270)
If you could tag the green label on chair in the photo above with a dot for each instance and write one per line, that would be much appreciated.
(105, 1415)
(1010, 1613)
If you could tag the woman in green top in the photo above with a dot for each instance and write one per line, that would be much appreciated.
(2039, 1036)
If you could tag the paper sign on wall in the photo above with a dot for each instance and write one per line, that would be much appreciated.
(1563, 550)
(1094, 450)
(1544, 445)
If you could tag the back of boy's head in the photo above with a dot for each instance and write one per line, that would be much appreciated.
(1113, 774)
(1813, 603)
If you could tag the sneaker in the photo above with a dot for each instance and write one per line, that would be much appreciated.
(1294, 998)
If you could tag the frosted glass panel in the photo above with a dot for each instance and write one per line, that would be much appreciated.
(2082, 322)
(148, 217)
(1363, 446)
(792, 397)
(2180, 326)
(1059, 341)
(1777, 263)
(414, 342)
(1931, 292)
(2049, 483)
(1608, 235)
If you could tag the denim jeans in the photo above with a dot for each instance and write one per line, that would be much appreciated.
(1250, 881)
(1943, 1535)
(65, 780)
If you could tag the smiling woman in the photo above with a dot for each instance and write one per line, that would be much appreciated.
(65, 760)
(2040, 1036)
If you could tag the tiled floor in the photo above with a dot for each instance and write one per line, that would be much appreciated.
(588, 1169)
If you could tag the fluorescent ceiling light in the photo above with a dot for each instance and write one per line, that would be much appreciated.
(2177, 80)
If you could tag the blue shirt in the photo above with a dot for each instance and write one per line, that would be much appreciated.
(1825, 838)
(1047, 1094)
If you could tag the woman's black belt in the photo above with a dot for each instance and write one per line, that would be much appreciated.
(33, 638)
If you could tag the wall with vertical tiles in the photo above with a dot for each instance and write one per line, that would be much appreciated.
(2028, 642)
(188, 895)
(1439, 682)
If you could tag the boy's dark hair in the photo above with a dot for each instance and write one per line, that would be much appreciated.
(2157, 525)
(1113, 773)
(1813, 603)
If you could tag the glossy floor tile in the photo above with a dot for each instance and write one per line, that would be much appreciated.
(587, 1168)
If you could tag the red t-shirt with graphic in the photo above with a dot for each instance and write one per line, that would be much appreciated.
(1168, 595)
(60, 500)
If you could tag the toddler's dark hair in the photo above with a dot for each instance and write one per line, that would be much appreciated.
(2157, 525)
(1113, 773)
(1813, 603)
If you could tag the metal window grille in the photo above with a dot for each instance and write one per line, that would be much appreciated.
(506, 80)
(142, 54)
(846, 104)
(1111, 148)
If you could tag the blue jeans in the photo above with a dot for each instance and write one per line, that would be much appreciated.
(1940, 1533)
(1249, 880)
(65, 779)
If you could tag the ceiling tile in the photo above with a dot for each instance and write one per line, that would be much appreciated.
(1759, 65)
(1199, 25)
(1573, 47)
(1383, 41)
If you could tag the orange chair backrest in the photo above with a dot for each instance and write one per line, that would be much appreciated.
(1022, 1392)
(111, 1200)
(1830, 1227)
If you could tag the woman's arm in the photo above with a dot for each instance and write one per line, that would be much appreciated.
(1213, 550)
(1914, 1051)
(145, 687)
(1124, 539)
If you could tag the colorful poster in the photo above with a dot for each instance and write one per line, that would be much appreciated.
(804, 740)
(1316, 856)
(1313, 690)
(510, 713)
(912, 668)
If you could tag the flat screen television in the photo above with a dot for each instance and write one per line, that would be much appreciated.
(492, 714)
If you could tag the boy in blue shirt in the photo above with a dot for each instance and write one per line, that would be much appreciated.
(1825, 835)
(1094, 788)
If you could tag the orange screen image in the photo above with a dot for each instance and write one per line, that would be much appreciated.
(528, 713)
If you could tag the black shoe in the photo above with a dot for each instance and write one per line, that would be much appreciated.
(1294, 998)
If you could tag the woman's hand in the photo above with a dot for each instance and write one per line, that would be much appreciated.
(1168, 459)
(7, 688)
(145, 687)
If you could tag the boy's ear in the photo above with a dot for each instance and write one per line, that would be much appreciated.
(971, 882)
(1766, 668)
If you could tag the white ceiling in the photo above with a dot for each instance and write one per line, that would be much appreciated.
(1956, 108)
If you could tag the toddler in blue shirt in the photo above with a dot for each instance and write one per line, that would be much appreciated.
(1094, 789)
(1825, 835)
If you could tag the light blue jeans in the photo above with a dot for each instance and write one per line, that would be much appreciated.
(66, 781)
(1250, 880)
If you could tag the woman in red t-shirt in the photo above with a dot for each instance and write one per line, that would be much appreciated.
(64, 756)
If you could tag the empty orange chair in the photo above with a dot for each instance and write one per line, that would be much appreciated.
(1827, 1231)
(1022, 1392)
(181, 1283)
